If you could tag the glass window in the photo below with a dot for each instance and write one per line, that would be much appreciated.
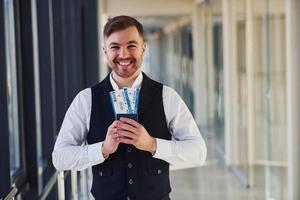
(214, 47)
(270, 97)
(12, 90)
(241, 93)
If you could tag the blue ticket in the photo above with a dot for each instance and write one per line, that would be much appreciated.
(125, 101)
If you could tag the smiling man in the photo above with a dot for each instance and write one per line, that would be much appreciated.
(124, 50)
(129, 159)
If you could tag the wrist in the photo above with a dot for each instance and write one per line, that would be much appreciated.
(104, 152)
(153, 146)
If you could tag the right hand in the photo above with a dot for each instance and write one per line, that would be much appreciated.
(111, 141)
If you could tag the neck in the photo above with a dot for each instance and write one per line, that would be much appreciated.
(125, 82)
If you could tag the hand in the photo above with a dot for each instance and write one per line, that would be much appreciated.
(111, 141)
(131, 132)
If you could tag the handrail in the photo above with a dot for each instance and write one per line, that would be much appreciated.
(12, 193)
(43, 195)
(61, 185)
(49, 186)
(57, 177)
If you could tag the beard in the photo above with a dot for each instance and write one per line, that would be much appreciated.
(125, 67)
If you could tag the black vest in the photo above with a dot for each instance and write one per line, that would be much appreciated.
(130, 173)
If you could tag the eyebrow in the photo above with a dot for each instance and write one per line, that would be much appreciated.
(130, 42)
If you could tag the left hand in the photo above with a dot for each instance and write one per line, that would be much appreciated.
(132, 132)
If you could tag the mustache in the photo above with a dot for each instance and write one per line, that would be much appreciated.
(124, 59)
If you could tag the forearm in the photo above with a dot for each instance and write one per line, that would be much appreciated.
(191, 151)
(71, 157)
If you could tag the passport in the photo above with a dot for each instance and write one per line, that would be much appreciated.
(130, 116)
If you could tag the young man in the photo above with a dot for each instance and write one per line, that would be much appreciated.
(129, 159)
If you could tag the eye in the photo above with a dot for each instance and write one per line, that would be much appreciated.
(132, 46)
(114, 47)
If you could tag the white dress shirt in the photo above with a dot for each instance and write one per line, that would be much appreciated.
(71, 151)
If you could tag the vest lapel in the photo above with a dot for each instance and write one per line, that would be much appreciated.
(148, 90)
(106, 83)
(106, 88)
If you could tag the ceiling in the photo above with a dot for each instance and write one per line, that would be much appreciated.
(153, 14)
(153, 24)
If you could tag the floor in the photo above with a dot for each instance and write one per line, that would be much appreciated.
(213, 181)
(210, 182)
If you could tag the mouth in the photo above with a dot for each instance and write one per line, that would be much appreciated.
(125, 63)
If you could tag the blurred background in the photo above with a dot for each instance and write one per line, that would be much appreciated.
(234, 62)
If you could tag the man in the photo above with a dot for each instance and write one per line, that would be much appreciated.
(129, 159)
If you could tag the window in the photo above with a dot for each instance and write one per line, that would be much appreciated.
(12, 88)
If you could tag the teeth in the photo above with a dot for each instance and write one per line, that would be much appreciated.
(124, 63)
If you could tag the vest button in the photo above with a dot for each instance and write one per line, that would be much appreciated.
(100, 173)
(159, 171)
(130, 165)
(129, 149)
(130, 181)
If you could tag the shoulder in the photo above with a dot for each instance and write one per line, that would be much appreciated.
(170, 93)
(174, 106)
(84, 96)
(172, 100)
(81, 103)
(84, 93)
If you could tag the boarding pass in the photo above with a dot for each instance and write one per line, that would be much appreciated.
(125, 101)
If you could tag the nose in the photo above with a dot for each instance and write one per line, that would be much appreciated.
(123, 53)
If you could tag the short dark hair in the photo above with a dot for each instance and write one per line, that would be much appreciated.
(122, 22)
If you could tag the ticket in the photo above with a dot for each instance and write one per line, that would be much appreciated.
(125, 101)
(132, 96)
(119, 102)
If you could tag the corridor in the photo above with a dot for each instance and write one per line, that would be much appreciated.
(234, 63)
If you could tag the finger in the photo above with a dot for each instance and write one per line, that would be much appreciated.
(126, 126)
(115, 135)
(127, 134)
(114, 124)
(130, 121)
(126, 140)
(112, 130)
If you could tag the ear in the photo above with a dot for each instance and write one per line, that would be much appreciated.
(144, 47)
(104, 50)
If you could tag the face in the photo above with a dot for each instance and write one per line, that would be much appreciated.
(124, 51)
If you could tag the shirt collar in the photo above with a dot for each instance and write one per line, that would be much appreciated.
(136, 84)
